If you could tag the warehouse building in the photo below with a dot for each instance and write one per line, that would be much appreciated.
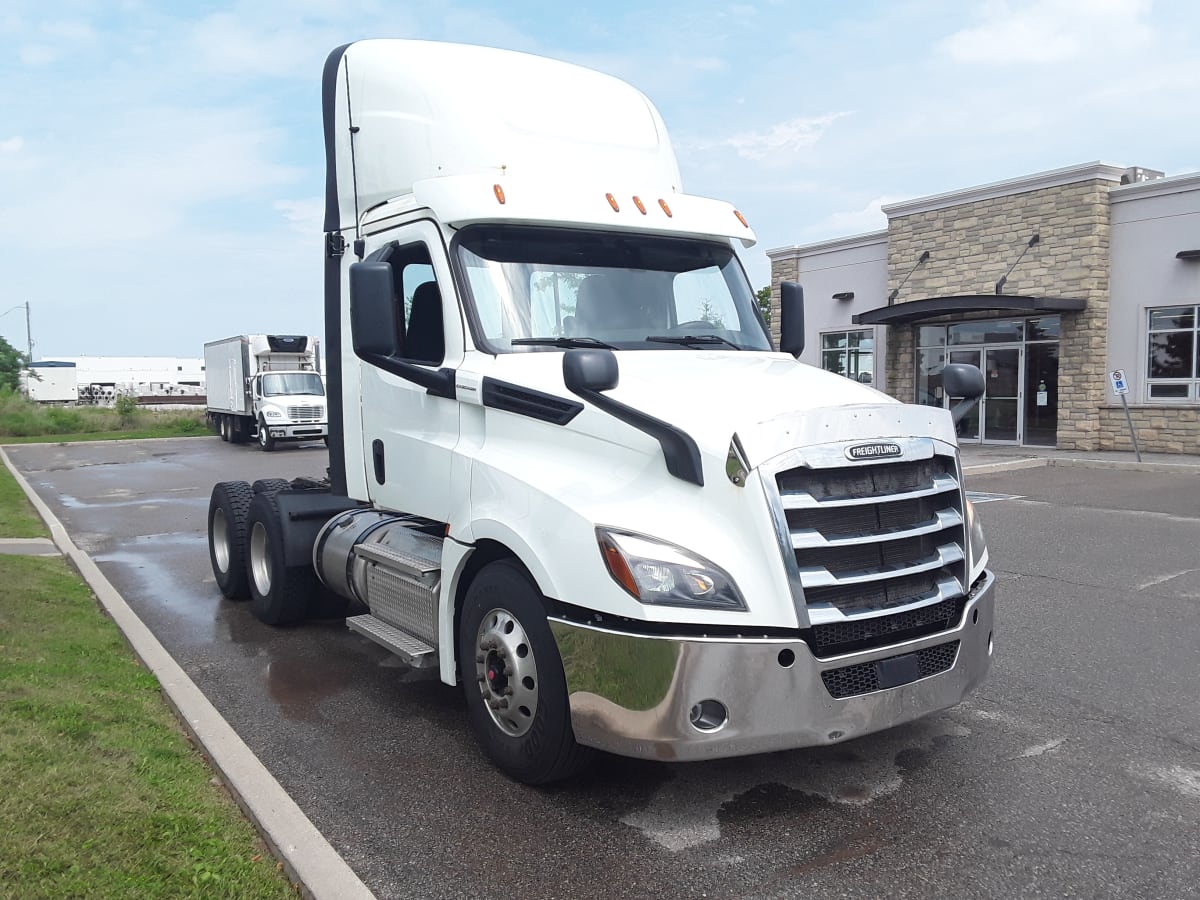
(1049, 283)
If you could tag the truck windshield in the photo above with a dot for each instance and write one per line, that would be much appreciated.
(537, 289)
(276, 384)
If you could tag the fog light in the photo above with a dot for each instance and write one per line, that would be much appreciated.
(708, 715)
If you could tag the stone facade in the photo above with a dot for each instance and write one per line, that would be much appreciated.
(971, 245)
(1160, 429)
(781, 270)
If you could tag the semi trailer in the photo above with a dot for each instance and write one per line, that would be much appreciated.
(568, 469)
(265, 387)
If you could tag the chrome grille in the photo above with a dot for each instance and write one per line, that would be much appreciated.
(306, 413)
(869, 539)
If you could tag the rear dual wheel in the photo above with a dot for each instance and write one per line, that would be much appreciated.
(228, 509)
(281, 594)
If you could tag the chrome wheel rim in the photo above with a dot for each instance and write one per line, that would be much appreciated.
(220, 540)
(506, 672)
(260, 559)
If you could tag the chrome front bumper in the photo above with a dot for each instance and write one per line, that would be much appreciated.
(632, 694)
(305, 431)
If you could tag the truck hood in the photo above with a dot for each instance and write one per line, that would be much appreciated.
(769, 400)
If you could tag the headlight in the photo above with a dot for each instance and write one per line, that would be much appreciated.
(976, 543)
(661, 574)
(272, 413)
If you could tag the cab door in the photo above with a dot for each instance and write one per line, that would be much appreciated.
(409, 435)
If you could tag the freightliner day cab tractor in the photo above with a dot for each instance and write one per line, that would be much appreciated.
(567, 467)
(265, 387)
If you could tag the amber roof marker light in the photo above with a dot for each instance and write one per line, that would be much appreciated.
(499, 192)
(741, 218)
(637, 201)
(665, 208)
(612, 201)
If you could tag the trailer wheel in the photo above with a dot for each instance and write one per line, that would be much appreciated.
(513, 678)
(265, 441)
(227, 511)
(223, 428)
(279, 593)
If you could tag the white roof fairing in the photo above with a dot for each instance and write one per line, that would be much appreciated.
(421, 110)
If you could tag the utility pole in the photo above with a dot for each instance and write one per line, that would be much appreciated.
(28, 333)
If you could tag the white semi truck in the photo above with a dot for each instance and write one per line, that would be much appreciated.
(567, 467)
(266, 387)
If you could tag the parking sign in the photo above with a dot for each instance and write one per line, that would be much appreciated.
(1119, 384)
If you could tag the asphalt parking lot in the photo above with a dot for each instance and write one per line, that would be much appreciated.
(1073, 772)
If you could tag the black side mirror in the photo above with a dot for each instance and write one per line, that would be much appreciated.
(590, 370)
(791, 318)
(966, 382)
(372, 310)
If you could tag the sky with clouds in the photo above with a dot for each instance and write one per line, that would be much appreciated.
(162, 168)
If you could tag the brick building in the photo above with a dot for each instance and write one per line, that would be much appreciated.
(1046, 282)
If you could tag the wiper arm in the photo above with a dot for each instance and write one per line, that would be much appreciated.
(690, 340)
(566, 342)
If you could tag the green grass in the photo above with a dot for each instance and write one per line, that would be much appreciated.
(103, 796)
(23, 422)
(17, 516)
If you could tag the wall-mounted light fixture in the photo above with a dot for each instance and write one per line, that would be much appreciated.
(844, 295)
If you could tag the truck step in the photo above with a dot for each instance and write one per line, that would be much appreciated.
(412, 650)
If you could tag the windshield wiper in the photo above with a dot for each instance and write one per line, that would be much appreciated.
(690, 340)
(566, 342)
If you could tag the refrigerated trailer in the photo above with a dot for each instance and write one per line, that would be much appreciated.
(266, 387)
(568, 469)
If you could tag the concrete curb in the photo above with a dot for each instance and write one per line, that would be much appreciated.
(1006, 466)
(307, 857)
(1080, 462)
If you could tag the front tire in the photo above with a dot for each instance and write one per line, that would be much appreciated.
(512, 675)
(228, 508)
(279, 594)
(265, 441)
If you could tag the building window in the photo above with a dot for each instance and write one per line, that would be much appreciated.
(1172, 363)
(850, 353)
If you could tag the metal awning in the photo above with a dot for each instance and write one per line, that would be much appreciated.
(932, 307)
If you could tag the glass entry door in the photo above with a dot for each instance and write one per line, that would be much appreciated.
(997, 417)
(1001, 413)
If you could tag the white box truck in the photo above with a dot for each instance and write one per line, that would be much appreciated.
(568, 468)
(266, 387)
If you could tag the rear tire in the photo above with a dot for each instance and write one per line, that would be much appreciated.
(270, 485)
(228, 509)
(265, 441)
(513, 679)
(279, 594)
(223, 428)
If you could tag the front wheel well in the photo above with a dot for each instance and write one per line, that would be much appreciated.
(486, 551)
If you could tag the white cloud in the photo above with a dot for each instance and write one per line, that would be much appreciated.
(1049, 31)
(868, 218)
(305, 216)
(783, 139)
(37, 54)
(12, 144)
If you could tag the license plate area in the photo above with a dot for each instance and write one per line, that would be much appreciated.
(898, 670)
